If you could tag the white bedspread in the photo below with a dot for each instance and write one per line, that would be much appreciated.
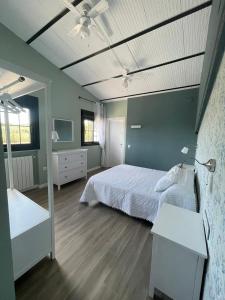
(127, 188)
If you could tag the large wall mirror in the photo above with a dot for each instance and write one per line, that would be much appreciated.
(64, 130)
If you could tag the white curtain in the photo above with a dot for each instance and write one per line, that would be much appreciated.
(100, 123)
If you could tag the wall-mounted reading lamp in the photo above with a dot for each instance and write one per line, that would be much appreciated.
(210, 164)
(55, 136)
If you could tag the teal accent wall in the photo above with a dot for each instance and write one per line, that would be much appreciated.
(65, 91)
(168, 122)
(6, 269)
(116, 109)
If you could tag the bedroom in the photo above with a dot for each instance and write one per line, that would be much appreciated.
(149, 82)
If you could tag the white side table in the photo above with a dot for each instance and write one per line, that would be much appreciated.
(178, 253)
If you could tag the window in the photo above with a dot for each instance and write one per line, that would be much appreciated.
(24, 127)
(19, 128)
(88, 130)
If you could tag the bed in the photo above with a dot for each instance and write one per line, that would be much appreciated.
(131, 189)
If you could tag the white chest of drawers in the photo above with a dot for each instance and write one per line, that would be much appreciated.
(178, 253)
(69, 165)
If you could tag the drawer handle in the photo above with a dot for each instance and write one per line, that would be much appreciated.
(65, 167)
(66, 176)
(65, 158)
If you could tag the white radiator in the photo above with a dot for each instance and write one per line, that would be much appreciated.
(23, 174)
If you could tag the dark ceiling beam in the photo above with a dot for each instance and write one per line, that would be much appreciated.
(152, 92)
(148, 68)
(52, 22)
(147, 30)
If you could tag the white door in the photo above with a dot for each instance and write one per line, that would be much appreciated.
(115, 142)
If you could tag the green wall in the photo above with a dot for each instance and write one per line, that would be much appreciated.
(73, 112)
(6, 270)
(65, 91)
(116, 109)
(168, 122)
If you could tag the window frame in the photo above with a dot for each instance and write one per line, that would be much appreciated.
(31, 103)
(87, 115)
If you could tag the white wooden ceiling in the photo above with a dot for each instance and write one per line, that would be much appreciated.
(124, 18)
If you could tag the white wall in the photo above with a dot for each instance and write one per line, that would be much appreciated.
(211, 144)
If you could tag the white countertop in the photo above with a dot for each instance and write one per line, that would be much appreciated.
(69, 151)
(181, 226)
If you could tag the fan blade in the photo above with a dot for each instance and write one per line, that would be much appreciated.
(98, 9)
(125, 82)
(72, 8)
(99, 34)
(75, 31)
(141, 75)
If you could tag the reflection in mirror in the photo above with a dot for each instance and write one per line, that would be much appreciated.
(64, 129)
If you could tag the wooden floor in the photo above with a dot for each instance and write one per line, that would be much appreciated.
(101, 253)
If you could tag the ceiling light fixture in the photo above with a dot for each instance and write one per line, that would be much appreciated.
(86, 20)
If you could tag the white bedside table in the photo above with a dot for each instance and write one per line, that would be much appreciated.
(178, 253)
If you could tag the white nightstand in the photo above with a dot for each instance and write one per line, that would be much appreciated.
(178, 253)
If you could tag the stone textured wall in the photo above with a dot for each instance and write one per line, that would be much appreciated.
(211, 144)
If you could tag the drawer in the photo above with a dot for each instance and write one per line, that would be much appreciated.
(71, 165)
(71, 175)
(71, 157)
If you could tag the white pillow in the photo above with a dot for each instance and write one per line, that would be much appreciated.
(167, 180)
(179, 195)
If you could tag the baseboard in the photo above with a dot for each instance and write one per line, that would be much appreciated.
(93, 169)
(29, 188)
(36, 186)
(43, 185)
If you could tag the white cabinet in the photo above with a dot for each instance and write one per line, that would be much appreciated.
(69, 165)
(178, 253)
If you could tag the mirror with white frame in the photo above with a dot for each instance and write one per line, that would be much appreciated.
(63, 129)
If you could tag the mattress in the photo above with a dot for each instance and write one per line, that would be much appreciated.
(127, 188)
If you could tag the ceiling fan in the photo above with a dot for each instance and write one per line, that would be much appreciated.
(128, 78)
(86, 21)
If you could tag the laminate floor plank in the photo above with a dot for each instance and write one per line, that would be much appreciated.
(101, 253)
